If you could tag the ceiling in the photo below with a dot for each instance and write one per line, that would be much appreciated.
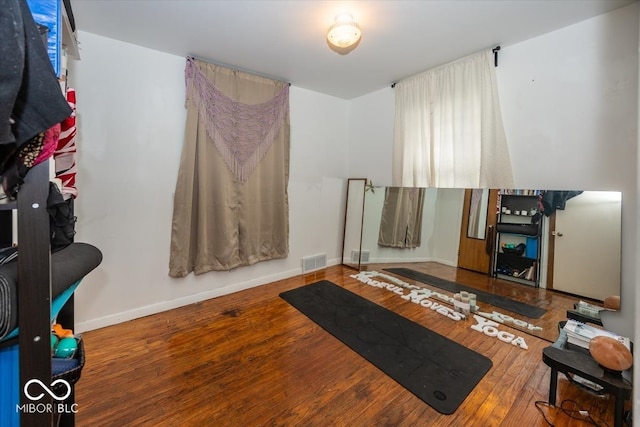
(285, 40)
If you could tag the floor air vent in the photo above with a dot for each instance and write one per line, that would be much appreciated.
(363, 256)
(315, 262)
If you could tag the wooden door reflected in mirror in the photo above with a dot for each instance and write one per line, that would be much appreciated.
(476, 246)
(477, 213)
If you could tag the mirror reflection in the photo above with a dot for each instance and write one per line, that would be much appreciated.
(354, 214)
(507, 243)
(401, 218)
(478, 207)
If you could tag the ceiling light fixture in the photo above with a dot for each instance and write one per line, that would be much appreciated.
(344, 35)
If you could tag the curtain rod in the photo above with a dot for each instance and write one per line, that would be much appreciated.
(253, 73)
(495, 55)
(495, 61)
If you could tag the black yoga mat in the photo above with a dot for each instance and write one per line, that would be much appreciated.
(437, 370)
(495, 300)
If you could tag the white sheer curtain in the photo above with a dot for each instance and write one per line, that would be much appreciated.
(448, 128)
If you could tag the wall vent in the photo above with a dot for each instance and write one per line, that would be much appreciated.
(315, 262)
(363, 256)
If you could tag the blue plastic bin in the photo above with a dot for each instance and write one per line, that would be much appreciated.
(532, 248)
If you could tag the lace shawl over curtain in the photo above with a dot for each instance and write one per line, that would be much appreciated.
(242, 133)
(231, 205)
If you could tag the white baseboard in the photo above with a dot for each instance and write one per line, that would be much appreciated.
(389, 260)
(147, 310)
(446, 262)
(382, 260)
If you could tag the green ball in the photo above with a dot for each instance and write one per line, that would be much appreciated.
(66, 347)
(54, 341)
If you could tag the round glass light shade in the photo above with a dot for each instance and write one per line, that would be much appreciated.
(344, 32)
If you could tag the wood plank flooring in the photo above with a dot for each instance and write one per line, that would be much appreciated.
(251, 359)
(555, 303)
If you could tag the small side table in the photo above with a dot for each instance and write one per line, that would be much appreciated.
(584, 318)
(568, 361)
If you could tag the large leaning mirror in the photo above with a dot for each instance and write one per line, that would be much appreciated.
(510, 243)
(354, 216)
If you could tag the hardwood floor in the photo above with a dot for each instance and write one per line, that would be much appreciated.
(251, 359)
(556, 304)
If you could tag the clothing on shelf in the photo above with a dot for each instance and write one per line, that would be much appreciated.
(65, 154)
(551, 201)
(30, 97)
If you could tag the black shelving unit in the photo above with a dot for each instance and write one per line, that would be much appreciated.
(518, 224)
(34, 297)
(34, 292)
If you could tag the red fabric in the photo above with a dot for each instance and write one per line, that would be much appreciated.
(51, 137)
(65, 154)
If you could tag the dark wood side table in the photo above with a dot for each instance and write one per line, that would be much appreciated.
(579, 362)
(584, 318)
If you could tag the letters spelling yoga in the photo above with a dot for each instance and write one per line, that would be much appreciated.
(421, 296)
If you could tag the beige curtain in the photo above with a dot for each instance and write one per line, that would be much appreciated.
(231, 205)
(401, 222)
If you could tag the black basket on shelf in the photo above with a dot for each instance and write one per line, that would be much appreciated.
(525, 229)
(71, 375)
(517, 250)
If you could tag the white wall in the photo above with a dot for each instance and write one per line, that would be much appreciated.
(130, 129)
(371, 135)
(571, 95)
(569, 103)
